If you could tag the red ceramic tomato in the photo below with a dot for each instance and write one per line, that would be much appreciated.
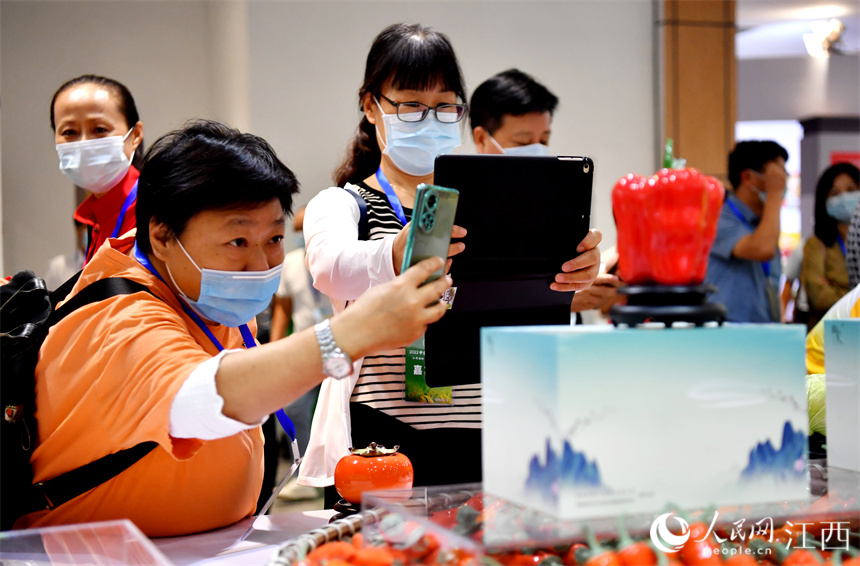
(372, 468)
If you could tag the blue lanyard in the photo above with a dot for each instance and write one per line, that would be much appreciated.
(130, 198)
(247, 337)
(841, 244)
(132, 195)
(765, 264)
(392, 196)
(246, 332)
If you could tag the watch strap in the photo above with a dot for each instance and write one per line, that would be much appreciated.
(329, 348)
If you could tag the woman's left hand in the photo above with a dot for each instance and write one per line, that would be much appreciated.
(580, 272)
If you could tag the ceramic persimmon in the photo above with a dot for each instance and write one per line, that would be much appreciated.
(371, 469)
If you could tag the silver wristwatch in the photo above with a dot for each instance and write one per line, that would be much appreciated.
(335, 362)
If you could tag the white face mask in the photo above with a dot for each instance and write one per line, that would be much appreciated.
(841, 207)
(95, 165)
(533, 149)
(413, 146)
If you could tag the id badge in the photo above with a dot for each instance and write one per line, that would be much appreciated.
(448, 298)
(416, 383)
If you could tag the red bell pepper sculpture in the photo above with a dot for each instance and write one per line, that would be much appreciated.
(666, 226)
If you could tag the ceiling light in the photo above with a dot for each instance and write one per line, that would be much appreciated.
(824, 37)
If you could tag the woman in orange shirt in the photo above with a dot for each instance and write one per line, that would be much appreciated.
(99, 139)
(179, 365)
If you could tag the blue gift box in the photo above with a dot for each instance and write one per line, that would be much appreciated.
(596, 421)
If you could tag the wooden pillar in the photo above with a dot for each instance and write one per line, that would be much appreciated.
(699, 81)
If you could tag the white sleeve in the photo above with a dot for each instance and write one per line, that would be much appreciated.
(343, 267)
(196, 409)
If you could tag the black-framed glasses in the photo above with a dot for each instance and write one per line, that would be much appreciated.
(417, 111)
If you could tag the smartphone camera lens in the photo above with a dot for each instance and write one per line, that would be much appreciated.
(431, 201)
(428, 220)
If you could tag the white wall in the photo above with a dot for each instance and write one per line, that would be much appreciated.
(290, 71)
(798, 88)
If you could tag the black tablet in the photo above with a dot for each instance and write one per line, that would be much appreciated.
(524, 216)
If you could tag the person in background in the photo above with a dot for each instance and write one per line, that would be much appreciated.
(179, 365)
(298, 305)
(824, 273)
(63, 266)
(97, 132)
(744, 263)
(413, 101)
(511, 113)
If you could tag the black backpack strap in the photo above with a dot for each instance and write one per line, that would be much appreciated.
(95, 292)
(363, 231)
(56, 491)
(63, 290)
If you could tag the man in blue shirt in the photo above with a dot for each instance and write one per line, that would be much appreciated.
(744, 263)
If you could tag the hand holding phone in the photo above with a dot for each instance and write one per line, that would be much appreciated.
(431, 226)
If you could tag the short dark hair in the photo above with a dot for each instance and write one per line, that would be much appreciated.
(410, 57)
(124, 103)
(825, 228)
(509, 92)
(203, 166)
(752, 155)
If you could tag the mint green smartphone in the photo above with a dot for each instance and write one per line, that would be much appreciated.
(431, 225)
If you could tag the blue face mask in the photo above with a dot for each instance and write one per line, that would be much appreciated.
(231, 298)
(413, 146)
(532, 149)
(842, 206)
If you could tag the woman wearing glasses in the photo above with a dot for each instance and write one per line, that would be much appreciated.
(413, 101)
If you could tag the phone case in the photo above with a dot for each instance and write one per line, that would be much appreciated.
(431, 225)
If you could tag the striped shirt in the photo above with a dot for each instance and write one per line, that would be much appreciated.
(382, 380)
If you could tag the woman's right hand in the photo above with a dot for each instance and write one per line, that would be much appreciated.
(398, 249)
(393, 314)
